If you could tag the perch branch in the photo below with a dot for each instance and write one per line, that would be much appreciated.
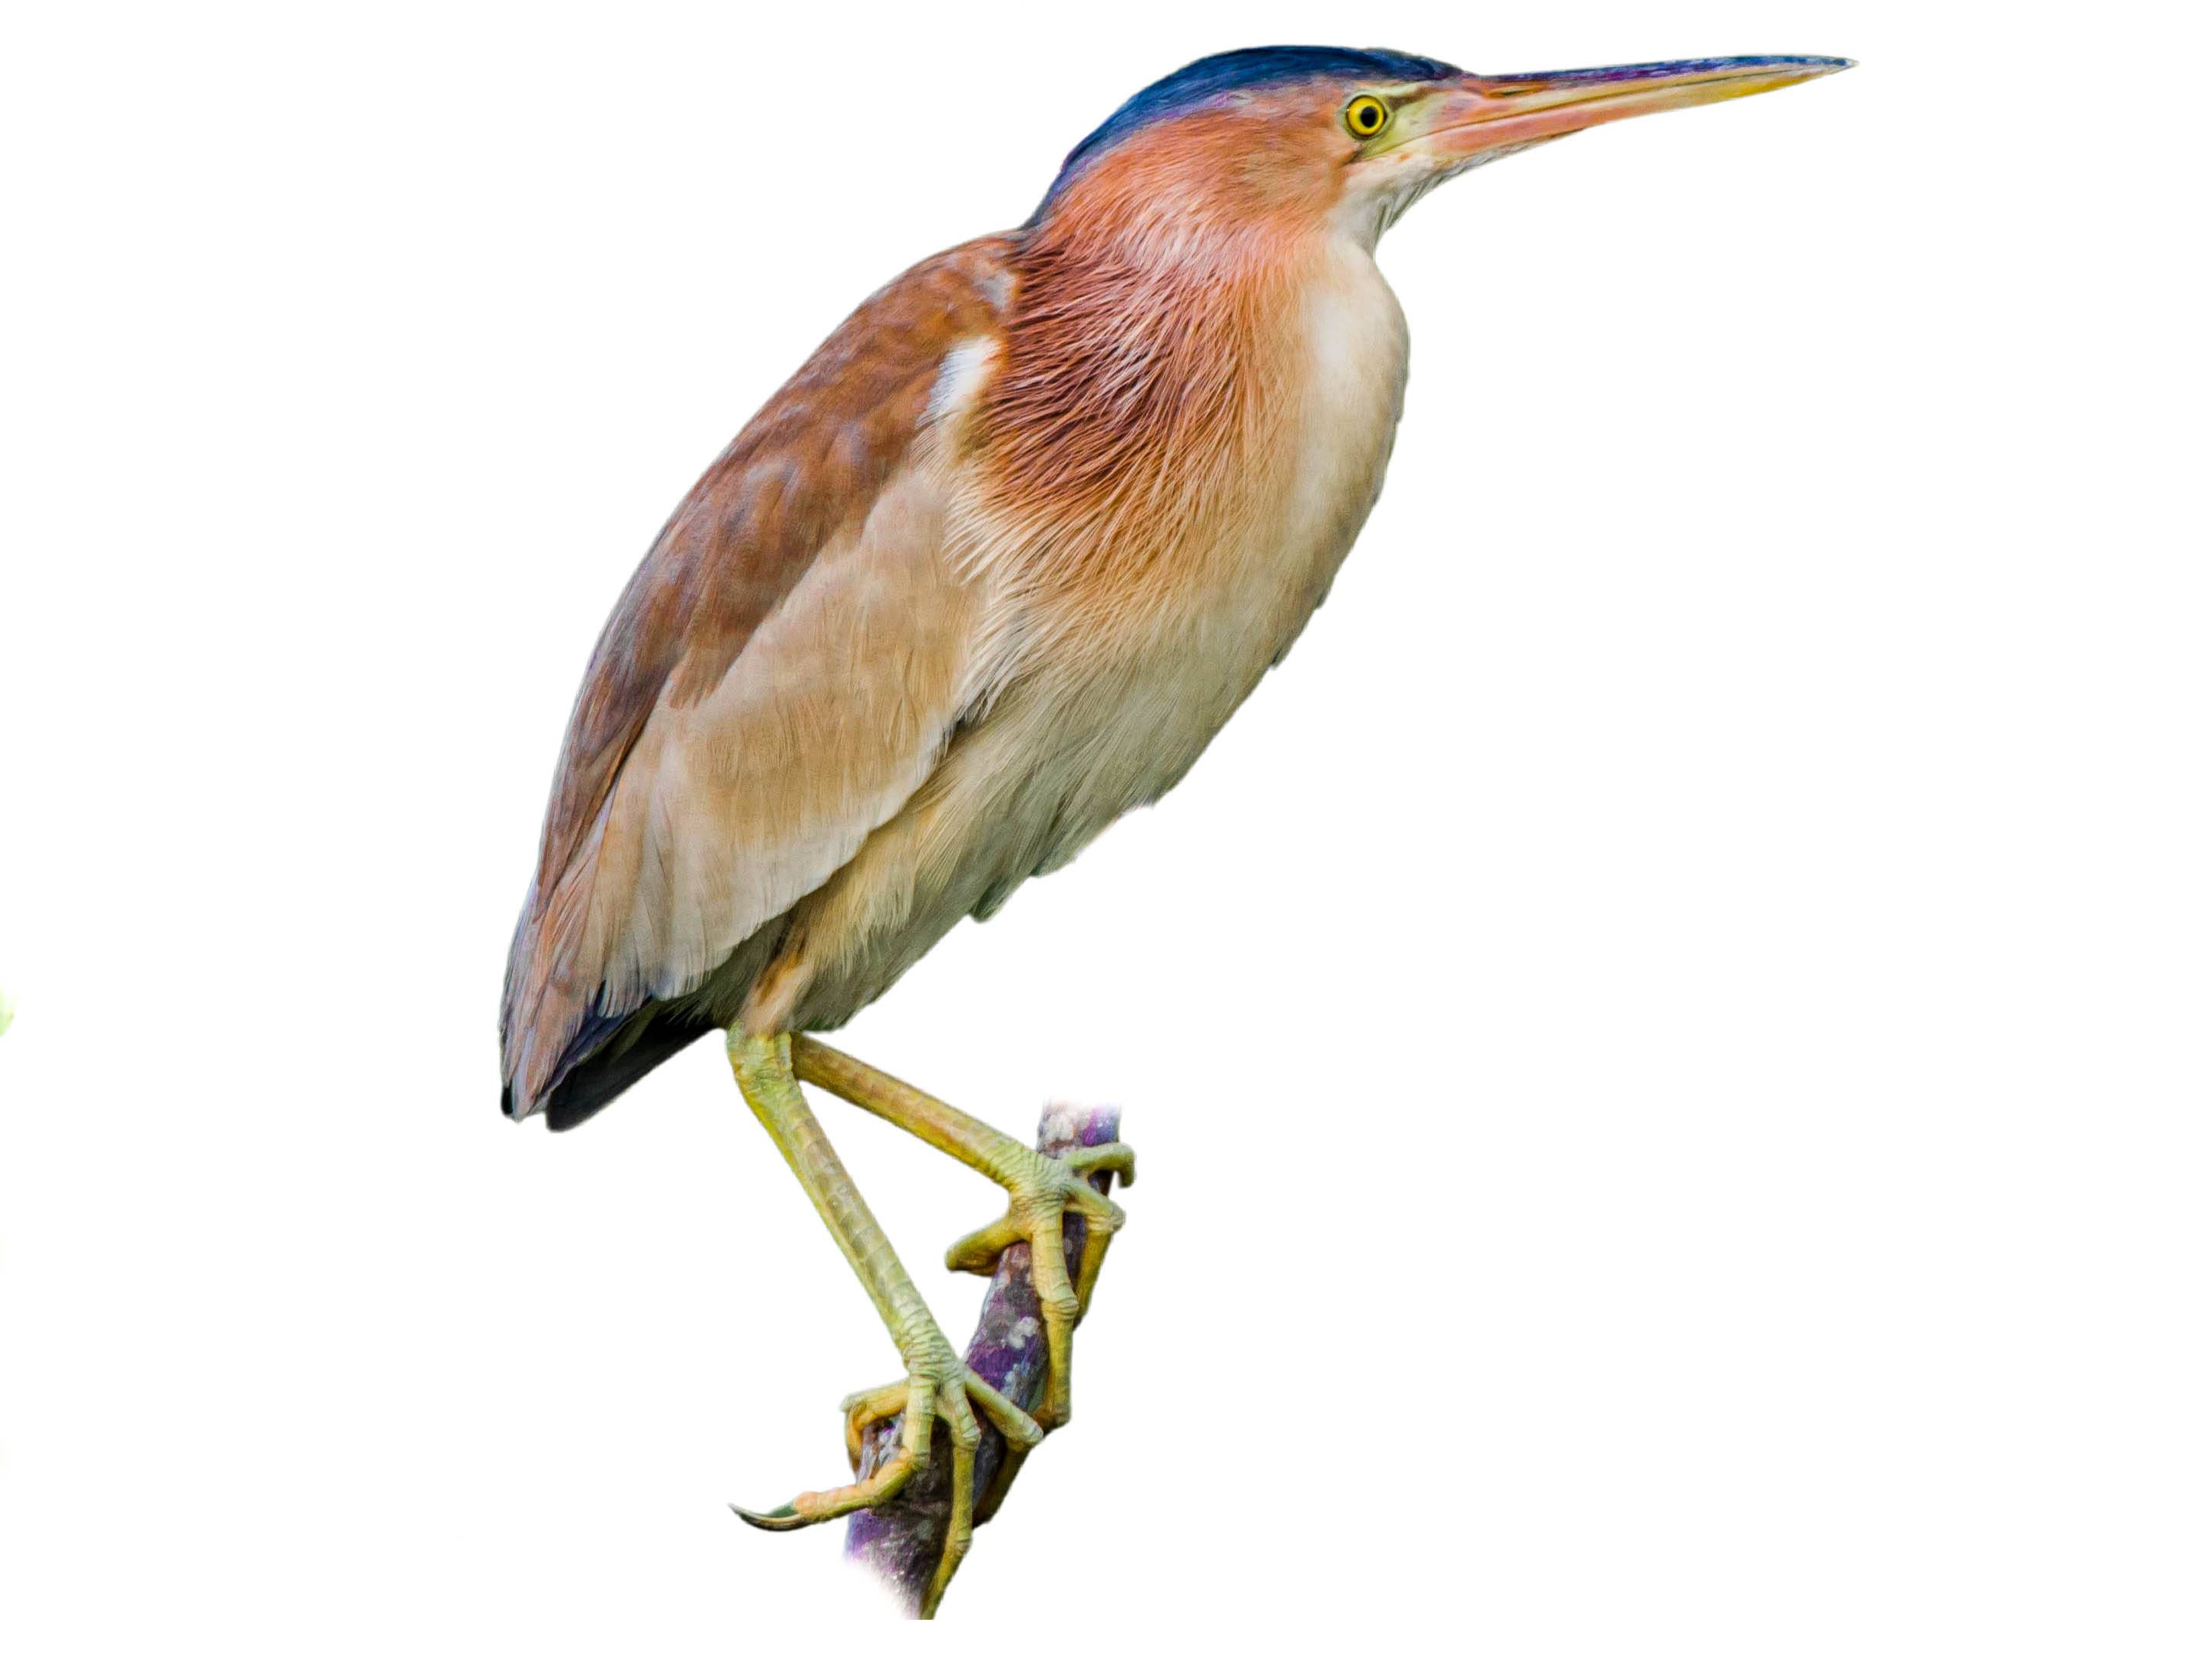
(901, 1541)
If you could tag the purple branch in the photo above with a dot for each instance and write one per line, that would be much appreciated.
(901, 1541)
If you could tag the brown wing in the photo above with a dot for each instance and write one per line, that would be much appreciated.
(777, 678)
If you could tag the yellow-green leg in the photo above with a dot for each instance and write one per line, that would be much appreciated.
(1040, 1191)
(938, 1381)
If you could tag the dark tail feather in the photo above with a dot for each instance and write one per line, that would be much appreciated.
(607, 1056)
(598, 1078)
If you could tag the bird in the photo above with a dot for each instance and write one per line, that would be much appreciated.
(988, 572)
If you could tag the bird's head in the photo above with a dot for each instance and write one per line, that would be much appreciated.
(1290, 138)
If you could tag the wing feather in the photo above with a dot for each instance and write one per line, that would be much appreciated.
(778, 678)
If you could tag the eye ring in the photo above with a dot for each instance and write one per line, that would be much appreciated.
(1366, 116)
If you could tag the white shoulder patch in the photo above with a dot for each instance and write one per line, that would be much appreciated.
(959, 378)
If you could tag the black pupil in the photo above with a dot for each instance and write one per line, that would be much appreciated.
(1367, 116)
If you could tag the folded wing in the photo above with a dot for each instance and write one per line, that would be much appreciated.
(778, 678)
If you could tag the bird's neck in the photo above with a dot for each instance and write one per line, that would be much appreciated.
(1148, 361)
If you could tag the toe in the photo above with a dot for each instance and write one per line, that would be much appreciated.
(1113, 1156)
(1019, 1428)
(979, 1252)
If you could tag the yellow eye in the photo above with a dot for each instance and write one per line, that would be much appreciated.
(1365, 117)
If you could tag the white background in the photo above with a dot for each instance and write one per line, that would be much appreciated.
(1669, 1045)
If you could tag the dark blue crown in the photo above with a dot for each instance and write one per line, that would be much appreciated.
(1241, 71)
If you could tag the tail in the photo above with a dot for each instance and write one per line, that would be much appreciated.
(564, 1067)
(603, 1059)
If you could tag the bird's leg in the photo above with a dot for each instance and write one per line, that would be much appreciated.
(937, 1381)
(1040, 1191)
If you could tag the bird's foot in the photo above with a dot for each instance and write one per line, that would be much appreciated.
(1042, 1191)
(938, 1384)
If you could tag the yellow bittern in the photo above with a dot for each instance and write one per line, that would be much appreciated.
(989, 571)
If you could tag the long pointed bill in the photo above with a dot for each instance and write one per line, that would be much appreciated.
(1480, 114)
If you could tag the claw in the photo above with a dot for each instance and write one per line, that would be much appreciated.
(782, 1518)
